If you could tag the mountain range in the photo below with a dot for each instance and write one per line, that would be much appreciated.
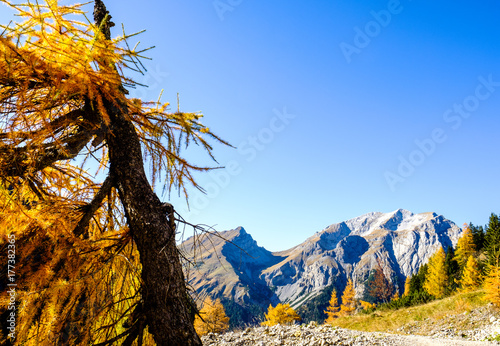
(231, 266)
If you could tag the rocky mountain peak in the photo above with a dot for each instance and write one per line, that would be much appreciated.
(240, 270)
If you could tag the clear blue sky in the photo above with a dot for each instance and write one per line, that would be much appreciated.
(338, 108)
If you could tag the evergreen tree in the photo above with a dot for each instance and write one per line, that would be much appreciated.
(478, 236)
(212, 318)
(471, 276)
(333, 308)
(348, 302)
(452, 269)
(314, 309)
(281, 314)
(367, 296)
(436, 279)
(492, 240)
(242, 314)
(417, 281)
(416, 293)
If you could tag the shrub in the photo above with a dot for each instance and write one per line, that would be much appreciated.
(281, 314)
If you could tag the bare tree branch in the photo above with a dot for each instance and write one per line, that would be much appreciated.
(91, 208)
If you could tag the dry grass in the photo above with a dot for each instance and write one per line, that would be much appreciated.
(391, 320)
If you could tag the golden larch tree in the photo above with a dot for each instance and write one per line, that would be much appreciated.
(491, 285)
(333, 308)
(465, 247)
(407, 286)
(212, 318)
(348, 305)
(280, 314)
(471, 276)
(436, 278)
(96, 247)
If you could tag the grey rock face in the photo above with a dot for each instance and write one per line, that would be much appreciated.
(401, 241)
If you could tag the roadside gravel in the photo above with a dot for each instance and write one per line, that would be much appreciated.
(312, 334)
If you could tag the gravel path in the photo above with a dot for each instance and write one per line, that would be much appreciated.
(302, 335)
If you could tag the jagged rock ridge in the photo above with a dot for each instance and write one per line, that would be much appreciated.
(240, 270)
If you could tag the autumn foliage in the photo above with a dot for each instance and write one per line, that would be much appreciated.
(436, 278)
(407, 286)
(381, 288)
(492, 285)
(471, 276)
(212, 318)
(367, 305)
(64, 110)
(280, 314)
(348, 305)
(465, 247)
(332, 311)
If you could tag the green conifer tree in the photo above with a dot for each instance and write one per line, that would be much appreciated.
(417, 280)
(478, 236)
(492, 239)
(453, 270)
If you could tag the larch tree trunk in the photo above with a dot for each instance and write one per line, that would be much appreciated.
(165, 302)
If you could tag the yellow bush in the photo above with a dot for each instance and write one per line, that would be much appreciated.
(213, 318)
(367, 305)
(281, 314)
(395, 296)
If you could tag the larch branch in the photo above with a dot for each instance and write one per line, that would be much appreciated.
(91, 208)
(15, 160)
(52, 127)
